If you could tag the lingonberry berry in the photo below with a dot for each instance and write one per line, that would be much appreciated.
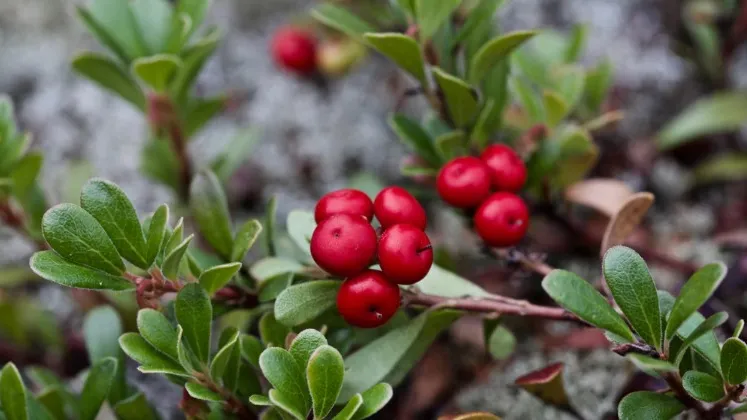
(464, 182)
(294, 49)
(405, 254)
(345, 201)
(343, 245)
(507, 169)
(368, 300)
(394, 205)
(502, 220)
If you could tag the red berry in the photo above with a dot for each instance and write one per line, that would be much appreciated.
(368, 300)
(464, 182)
(343, 245)
(405, 254)
(502, 220)
(507, 169)
(294, 49)
(346, 201)
(394, 205)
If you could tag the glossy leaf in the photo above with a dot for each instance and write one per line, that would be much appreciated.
(349, 410)
(216, 277)
(96, 387)
(719, 113)
(390, 357)
(415, 138)
(270, 221)
(324, 375)
(579, 297)
(79, 238)
(13, 394)
(339, 18)
(260, 400)
(694, 294)
(156, 329)
(107, 74)
(495, 51)
(303, 302)
(50, 266)
(402, 50)
(136, 407)
(210, 209)
(150, 359)
(431, 15)
(734, 361)
(305, 344)
(172, 261)
(116, 18)
(630, 282)
(245, 238)
(648, 405)
(706, 347)
(282, 371)
(195, 314)
(157, 70)
(108, 204)
(374, 399)
(101, 34)
(156, 232)
(649, 364)
(707, 326)
(461, 99)
(202, 393)
(703, 386)
(226, 363)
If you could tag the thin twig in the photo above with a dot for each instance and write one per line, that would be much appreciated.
(675, 384)
(528, 262)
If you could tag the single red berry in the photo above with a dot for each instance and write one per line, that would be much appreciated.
(345, 201)
(294, 49)
(464, 182)
(394, 205)
(507, 169)
(343, 245)
(368, 300)
(502, 220)
(405, 254)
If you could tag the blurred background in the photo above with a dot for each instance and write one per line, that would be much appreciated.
(313, 136)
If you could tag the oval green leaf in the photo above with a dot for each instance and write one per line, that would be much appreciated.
(374, 399)
(339, 18)
(461, 99)
(210, 209)
(156, 329)
(494, 51)
(303, 302)
(282, 371)
(694, 294)
(195, 314)
(707, 326)
(13, 394)
(703, 386)
(734, 361)
(245, 238)
(648, 405)
(305, 344)
(106, 73)
(216, 277)
(156, 233)
(348, 412)
(50, 266)
(324, 375)
(96, 387)
(150, 359)
(402, 49)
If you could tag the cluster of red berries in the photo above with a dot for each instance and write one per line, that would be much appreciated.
(345, 244)
(489, 185)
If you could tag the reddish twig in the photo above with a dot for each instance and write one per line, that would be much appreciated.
(737, 35)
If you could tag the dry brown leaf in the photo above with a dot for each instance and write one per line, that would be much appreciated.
(606, 195)
(478, 415)
(547, 385)
(626, 220)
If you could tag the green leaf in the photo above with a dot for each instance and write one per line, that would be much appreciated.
(270, 267)
(598, 82)
(703, 386)
(339, 18)
(576, 43)
(461, 99)
(25, 173)
(157, 70)
(135, 407)
(648, 405)
(694, 294)
(159, 163)
(198, 113)
(225, 365)
(649, 364)
(415, 137)
(555, 107)
(634, 291)
(153, 19)
(581, 298)
(348, 412)
(706, 347)
(156, 329)
(304, 345)
(202, 393)
(324, 376)
(390, 357)
(150, 359)
(431, 15)
(173, 260)
(283, 373)
(13, 394)
(260, 400)
(115, 17)
(501, 343)
(53, 400)
(303, 302)
(101, 34)
(195, 313)
(210, 209)
(107, 74)
(719, 113)
(288, 406)
(402, 50)
(722, 168)
(271, 288)
(527, 98)
(374, 399)
(156, 233)
(734, 361)
(269, 228)
(271, 331)
(251, 348)
(713, 322)
(195, 9)
(451, 145)
(245, 238)
(569, 82)
(79, 238)
(495, 51)
(193, 58)
(96, 387)
(216, 277)
(109, 205)
(185, 356)
(301, 225)
(101, 329)
(50, 266)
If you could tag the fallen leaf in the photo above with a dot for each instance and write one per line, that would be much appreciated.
(547, 385)
(626, 219)
(478, 415)
(605, 195)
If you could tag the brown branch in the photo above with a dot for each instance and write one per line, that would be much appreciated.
(164, 119)
(496, 305)
(733, 394)
(639, 348)
(528, 262)
(675, 384)
(16, 220)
